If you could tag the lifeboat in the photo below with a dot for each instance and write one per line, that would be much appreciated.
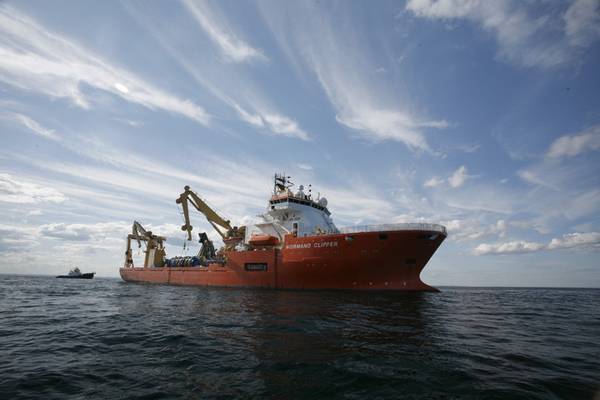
(263, 240)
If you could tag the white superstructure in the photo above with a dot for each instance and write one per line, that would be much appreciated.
(288, 212)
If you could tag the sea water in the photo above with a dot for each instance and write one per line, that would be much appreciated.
(104, 338)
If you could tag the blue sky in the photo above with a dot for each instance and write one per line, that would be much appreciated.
(482, 116)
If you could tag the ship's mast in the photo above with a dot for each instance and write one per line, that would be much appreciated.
(281, 184)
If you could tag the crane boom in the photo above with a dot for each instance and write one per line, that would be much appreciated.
(213, 218)
(138, 232)
(155, 251)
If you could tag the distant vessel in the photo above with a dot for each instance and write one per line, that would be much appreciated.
(295, 246)
(75, 273)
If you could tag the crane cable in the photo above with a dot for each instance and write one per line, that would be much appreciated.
(180, 212)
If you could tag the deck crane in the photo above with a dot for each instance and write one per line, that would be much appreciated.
(230, 234)
(155, 249)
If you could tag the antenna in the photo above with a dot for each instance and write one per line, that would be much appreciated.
(282, 183)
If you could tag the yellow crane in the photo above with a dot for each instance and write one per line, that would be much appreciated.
(155, 249)
(221, 225)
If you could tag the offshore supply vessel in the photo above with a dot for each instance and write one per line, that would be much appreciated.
(294, 245)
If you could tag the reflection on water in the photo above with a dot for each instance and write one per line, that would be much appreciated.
(106, 338)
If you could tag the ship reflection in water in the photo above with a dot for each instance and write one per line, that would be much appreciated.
(108, 339)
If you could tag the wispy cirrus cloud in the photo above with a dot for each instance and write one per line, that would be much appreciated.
(524, 37)
(272, 122)
(13, 190)
(233, 88)
(339, 60)
(31, 125)
(220, 32)
(34, 58)
(565, 185)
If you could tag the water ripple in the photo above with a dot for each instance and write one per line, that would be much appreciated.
(107, 339)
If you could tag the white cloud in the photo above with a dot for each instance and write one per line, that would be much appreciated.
(468, 148)
(516, 247)
(35, 59)
(31, 124)
(536, 176)
(131, 176)
(584, 204)
(285, 126)
(130, 122)
(576, 240)
(232, 47)
(121, 88)
(305, 167)
(252, 119)
(232, 87)
(442, 9)
(458, 178)
(484, 197)
(348, 208)
(472, 229)
(572, 145)
(523, 39)
(16, 191)
(103, 234)
(582, 22)
(16, 238)
(433, 182)
(84, 232)
(339, 59)
(275, 123)
(375, 123)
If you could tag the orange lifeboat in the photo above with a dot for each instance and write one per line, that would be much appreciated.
(263, 240)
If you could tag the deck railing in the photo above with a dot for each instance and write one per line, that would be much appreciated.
(412, 226)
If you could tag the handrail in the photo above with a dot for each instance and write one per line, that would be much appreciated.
(410, 226)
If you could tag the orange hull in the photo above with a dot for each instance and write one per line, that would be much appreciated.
(368, 260)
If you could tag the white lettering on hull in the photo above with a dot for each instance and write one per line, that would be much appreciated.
(316, 245)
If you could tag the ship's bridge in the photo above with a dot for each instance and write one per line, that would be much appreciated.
(277, 202)
(293, 212)
(299, 214)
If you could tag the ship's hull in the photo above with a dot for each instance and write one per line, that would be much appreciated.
(391, 260)
(87, 275)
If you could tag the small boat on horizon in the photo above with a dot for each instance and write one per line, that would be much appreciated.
(75, 273)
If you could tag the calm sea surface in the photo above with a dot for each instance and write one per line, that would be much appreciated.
(108, 339)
